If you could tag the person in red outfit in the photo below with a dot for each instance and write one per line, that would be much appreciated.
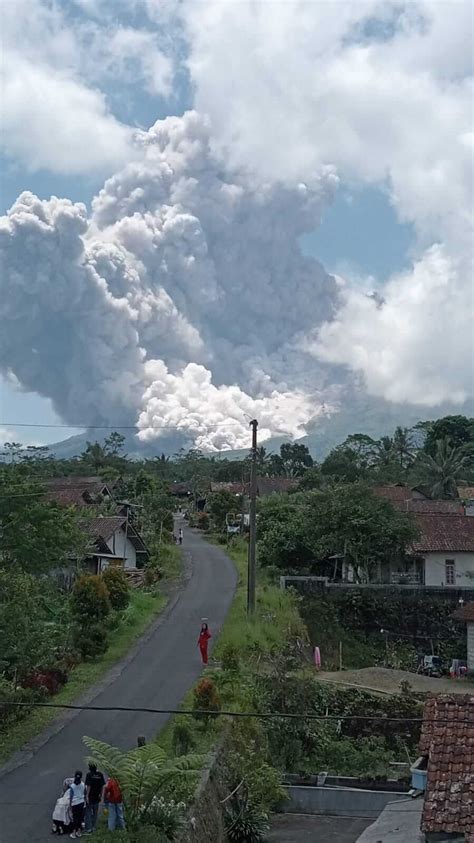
(203, 642)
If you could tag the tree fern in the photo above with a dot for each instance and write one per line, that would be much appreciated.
(142, 771)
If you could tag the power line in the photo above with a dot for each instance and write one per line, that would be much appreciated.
(121, 426)
(302, 715)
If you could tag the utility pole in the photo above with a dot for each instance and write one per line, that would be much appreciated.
(252, 573)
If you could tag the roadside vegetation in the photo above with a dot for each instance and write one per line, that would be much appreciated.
(264, 665)
(62, 628)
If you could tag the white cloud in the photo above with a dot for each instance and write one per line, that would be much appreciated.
(383, 92)
(418, 345)
(52, 122)
(54, 115)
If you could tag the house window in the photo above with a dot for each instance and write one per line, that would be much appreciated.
(450, 571)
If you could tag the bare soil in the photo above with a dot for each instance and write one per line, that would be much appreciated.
(385, 680)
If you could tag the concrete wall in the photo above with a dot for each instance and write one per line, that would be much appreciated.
(470, 647)
(435, 569)
(319, 586)
(338, 801)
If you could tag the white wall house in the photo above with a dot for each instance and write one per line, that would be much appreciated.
(445, 550)
(442, 555)
(116, 542)
(449, 569)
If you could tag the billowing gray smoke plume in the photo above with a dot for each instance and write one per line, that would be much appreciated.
(184, 301)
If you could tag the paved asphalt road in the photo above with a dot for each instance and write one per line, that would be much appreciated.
(161, 671)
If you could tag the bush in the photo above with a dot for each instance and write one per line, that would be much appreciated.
(230, 660)
(244, 823)
(202, 521)
(90, 641)
(9, 715)
(153, 574)
(118, 588)
(90, 599)
(206, 699)
(182, 738)
(46, 681)
(167, 817)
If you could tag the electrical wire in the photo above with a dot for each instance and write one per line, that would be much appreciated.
(81, 425)
(265, 715)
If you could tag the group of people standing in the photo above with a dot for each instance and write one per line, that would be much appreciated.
(77, 808)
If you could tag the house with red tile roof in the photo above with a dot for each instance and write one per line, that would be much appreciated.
(447, 744)
(114, 541)
(445, 549)
(443, 553)
(77, 491)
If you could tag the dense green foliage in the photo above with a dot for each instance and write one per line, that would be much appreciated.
(117, 586)
(310, 531)
(34, 625)
(36, 535)
(412, 625)
(90, 601)
(142, 772)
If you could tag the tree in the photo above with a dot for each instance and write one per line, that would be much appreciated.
(29, 638)
(445, 469)
(292, 461)
(282, 534)
(459, 431)
(359, 526)
(36, 535)
(384, 452)
(349, 522)
(219, 504)
(343, 464)
(403, 447)
(95, 456)
(114, 444)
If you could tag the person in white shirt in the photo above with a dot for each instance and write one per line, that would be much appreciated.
(77, 803)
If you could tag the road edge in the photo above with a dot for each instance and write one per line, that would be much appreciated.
(26, 752)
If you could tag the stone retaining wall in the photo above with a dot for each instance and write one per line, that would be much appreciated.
(206, 820)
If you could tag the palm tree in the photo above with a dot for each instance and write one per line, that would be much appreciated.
(263, 461)
(403, 447)
(443, 471)
(384, 452)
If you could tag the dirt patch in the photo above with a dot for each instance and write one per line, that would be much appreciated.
(385, 680)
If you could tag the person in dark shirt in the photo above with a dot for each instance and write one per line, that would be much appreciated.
(95, 784)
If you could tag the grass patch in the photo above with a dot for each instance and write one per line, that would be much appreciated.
(276, 620)
(143, 608)
(275, 623)
(171, 561)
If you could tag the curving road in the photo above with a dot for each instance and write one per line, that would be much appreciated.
(157, 673)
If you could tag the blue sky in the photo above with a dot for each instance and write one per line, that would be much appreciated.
(366, 93)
